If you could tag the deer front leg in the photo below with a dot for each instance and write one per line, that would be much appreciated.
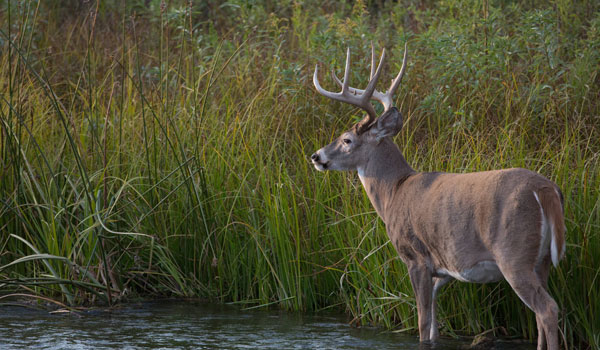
(439, 283)
(422, 284)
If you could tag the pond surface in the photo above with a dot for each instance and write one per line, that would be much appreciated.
(190, 325)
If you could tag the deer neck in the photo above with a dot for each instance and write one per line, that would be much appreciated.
(383, 175)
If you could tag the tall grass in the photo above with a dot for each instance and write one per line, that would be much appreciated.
(154, 150)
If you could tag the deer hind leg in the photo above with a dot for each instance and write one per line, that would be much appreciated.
(542, 270)
(422, 284)
(439, 282)
(541, 342)
(532, 292)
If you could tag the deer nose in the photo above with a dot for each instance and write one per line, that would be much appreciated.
(315, 157)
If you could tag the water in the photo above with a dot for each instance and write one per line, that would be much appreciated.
(187, 325)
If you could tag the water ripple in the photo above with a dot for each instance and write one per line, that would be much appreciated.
(178, 325)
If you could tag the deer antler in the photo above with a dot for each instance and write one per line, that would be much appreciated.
(386, 99)
(353, 96)
(358, 97)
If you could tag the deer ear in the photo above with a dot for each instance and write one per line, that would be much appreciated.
(388, 124)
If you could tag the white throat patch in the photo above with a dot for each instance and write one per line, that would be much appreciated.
(361, 175)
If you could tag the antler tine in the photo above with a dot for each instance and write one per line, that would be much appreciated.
(396, 82)
(351, 90)
(369, 92)
(373, 81)
(372, 61)
(346, 72)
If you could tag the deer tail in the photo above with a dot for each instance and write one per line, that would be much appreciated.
(551, 201)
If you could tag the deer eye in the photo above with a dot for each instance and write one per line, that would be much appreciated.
(347, 141)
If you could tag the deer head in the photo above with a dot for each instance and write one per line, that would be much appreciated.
(353, 148)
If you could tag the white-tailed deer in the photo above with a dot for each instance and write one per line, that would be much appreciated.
(474, 227)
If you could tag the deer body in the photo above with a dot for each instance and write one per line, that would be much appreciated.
(460, 225)
(475, 227)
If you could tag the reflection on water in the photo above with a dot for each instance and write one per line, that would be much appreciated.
(186, 325)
